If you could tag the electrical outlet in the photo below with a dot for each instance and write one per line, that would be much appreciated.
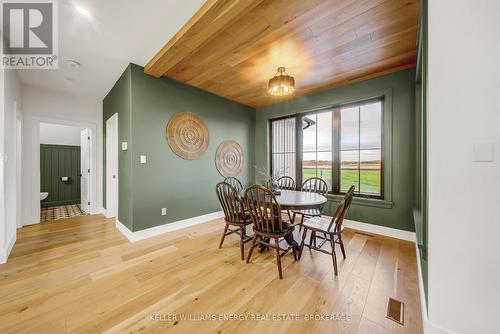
(163, 211)
(143, 159)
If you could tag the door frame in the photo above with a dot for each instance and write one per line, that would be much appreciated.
(35, 168)
(19, 166)
(89, 190)
(109, 212)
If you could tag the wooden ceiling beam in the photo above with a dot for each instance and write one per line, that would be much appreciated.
(210, 20)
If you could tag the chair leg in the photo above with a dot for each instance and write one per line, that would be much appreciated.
(223, 235)
(334, 257)
(290, 216)
(342, 246)
(278, 257)
(295, 249)
(304, 234)
(242, 242)
(311, 238)
(251, 248)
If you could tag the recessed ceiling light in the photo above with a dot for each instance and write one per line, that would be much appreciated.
(82, 11)
(73, 63)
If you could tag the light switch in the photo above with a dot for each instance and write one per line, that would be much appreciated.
(124, 146)
(483, 151)
(163, 211)
(143, 159)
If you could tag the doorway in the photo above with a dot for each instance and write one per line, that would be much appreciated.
(112, 166)
(65, 173)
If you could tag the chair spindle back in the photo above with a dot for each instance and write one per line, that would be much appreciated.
(264, 210)
(315, 185)
(341, 211)
(286, 183)
(230, 202)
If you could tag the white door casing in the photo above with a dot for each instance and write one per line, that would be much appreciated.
(112, 166)
(19, 167)
(85, 169)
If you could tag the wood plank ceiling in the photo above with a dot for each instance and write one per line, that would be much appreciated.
(232, 48)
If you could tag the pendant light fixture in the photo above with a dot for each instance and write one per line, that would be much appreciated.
(281, 84)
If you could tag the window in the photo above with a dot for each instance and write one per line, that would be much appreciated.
(317, 146)
(283, 147)
(361, 148)
(341, 145)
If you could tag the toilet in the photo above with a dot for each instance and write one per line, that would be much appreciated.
(43, 195)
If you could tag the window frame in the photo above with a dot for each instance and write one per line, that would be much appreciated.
(336, 131)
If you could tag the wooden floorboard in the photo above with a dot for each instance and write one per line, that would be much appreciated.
(80, 275)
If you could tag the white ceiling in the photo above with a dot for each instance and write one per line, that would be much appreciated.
(116, 32)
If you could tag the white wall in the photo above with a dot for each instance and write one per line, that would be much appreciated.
(43, 105)
(57, 134)
(10, 101)
(464, 197)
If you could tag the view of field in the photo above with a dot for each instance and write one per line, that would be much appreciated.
(370, 179)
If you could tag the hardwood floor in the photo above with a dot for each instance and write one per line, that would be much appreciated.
(81, 275)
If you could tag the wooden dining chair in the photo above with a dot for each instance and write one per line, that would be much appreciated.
(316, 185)
(235, 183)
(268, 224)
(234, 214)
(331, 229)
(286, 183)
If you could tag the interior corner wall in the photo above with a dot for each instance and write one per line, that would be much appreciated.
(464, 210)
(186, 188)
(41, 103)
(402, 162)
(11, 100)
(118, 101)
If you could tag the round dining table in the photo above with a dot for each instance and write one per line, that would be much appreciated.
(297, 200)
(300, 200)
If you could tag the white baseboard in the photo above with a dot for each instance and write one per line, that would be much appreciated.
(4, 253)
(105, 213)
(157, 230)
(382, 230)
(34, 222)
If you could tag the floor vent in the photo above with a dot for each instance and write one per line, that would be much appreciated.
(396, 311)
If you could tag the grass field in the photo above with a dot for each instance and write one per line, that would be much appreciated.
(370, 179)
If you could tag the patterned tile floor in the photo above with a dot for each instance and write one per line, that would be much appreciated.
(59, 212)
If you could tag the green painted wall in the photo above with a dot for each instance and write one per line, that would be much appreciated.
(57, 161)
(118, 101)
(186, 188)
(399, 146)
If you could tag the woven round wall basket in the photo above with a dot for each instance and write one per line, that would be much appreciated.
(187, 135)
(229, 158)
